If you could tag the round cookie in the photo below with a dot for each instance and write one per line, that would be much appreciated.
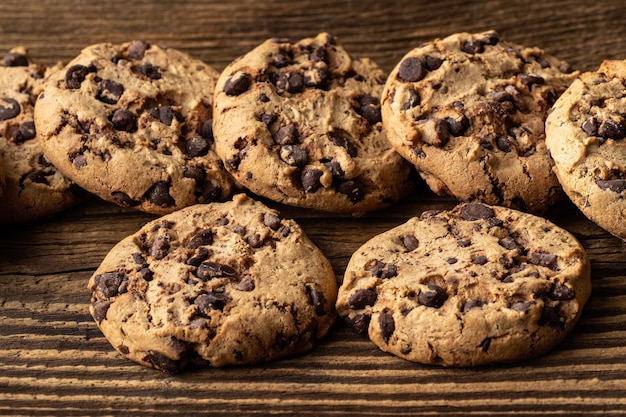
(469, 110)
(216, 284)
(299, 123)
(586, 136)
(34, 188)
(131, 123)
(471, 286)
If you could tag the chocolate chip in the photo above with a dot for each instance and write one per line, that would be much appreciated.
(473, 46)
(160, 247)
(340, 139)
(25, 132)
(521, 306)
(207, 191)
(413, 100)
(612, 129)
(317, 300)
(359, 323)
(122, 199)
(159, 194)
(254, 240)
(294, 155)
(209, 270)
(282, 58)
(529, 80)
(286, 135)
(202, 238)
(268, 119)
(411, 69)
(110, 91)
(151, 71)
(111, 284)
(463, 243)
(124, 120)
(508, 243)
(362, 298)
(432, 62)
(547, 260)
(137, 49)
(310, 179)
(146, 274)
(387, 325)
(211, 301)
(245, 285)
(164, 363)
(100, 309)
(480, 260)
(201, 255)
(590, 126)
(272, 221)
(10, 110)
(382, 270)
(15, 59)
(561, 292)
(237, 84)
(165, 114)
(291, 82)
(484, 345)
(37, 177)
(370, 109)
(352, 190)
(476, 211)
(434, 297)
(549, 317)
(206, 131)
(410, 242)
(75, 75)
(472, 304)
(197, 146)
(617, 185)
(504, 144)
(457, 127)
(335, 169)
(318, 54)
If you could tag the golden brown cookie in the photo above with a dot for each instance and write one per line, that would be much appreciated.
(299, 123)
(474, 285)
(216, 284)
(468, 111)
(131, 123)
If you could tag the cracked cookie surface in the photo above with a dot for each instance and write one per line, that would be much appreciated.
(34, 187)
(299, 123)
(586, 136)
(471, 286)
(468, 111)
(132, 123)
(214, 284)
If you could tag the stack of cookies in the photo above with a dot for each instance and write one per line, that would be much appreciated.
(222, 279)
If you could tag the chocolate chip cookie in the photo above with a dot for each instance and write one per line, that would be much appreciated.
(470, 286)
(300, 123)
(215, 284)
(468, 111)
(586, 136)
(34, 188)
(132, 123)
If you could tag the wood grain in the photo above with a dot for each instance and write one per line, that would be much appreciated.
(54, 360)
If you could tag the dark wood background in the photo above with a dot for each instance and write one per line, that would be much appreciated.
(54, 360)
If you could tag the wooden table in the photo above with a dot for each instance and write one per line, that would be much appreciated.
(54, 360)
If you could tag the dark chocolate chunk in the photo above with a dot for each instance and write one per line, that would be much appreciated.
(617, 185)
(291, 82)
(484, 345)
(255, 240)
(122, 199)
(202, 238)
(318, 54)
(146, 274)
(268, 119)
(151, 71)
(521, 306)
(165, 114)
(381, 269)
(237, 84)
(310, 179)
(286, 135)
(457, 127)
(412, 69)
(15, 59)
(317, 300)
(352, 189)
(294, 155)
(137, 49)
(246, 285)
(362, 298)
(282, 58)
(335, 169)
(561, 292)
(341, 139)
(159, 194)
(414, 100)
(10, 109)
(209, 270)
(359, 323)
(110, 91)
(410, 242)
(612, 129)
(547, 260)
(504, 143)
(473, 46)
(206, 131)
(434, 297)
(124, 120)
(197, 146)
(201, 255)
(211, 301)
(550, 317)
(480, 260)
(432, 62)
(100, 309)
(37, 177)
(75, 75)
(160, 247)
(472, 304)
(476, 211)
(452, 260)
(590, 126)
(529, 80)
(463, 243)
(370, 109)
(164, 363)
(25, 132)
(508, 243)
(272, 221)
(387, 325)
(111, 284)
